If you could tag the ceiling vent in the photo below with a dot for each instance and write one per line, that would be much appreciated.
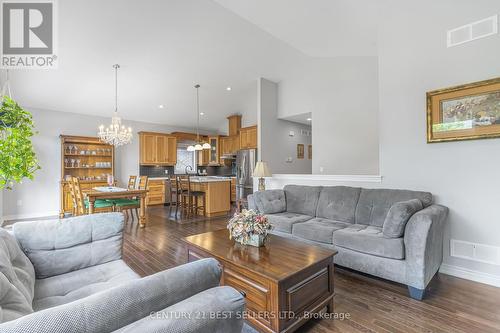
(473, 31)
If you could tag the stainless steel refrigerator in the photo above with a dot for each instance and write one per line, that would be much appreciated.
(245, 163)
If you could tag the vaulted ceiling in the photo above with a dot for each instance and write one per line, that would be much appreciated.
(165, 47)
(318, 28)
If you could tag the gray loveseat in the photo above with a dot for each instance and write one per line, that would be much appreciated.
(393, 234)
(70, 277)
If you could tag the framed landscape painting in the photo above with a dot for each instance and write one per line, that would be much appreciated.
(466, 112)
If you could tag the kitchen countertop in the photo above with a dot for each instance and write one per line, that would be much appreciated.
(201, 179)
(209, 179)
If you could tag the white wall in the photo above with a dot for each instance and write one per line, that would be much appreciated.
(245, 104)
(413, 59)
(40, 197)
(276, 144)
(342, 95)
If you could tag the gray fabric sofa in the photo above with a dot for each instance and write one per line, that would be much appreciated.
(393, 234)
(68, 276)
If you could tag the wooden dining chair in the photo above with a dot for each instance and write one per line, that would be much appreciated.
(71, 186)
(131, 182)
(143, 183)
(82, 204)
(129, 205)
(190, 199)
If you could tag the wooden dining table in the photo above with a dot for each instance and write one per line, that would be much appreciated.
(108, 193)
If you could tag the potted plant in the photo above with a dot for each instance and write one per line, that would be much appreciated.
(17, 156)
(249, 228)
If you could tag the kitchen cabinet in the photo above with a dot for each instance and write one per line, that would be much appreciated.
(171, 150)
(234, 125)
(229, 144)
(248, 137)
(217, 195)
(156, 192)
(148, 148)
(157, 149)
(203, 157)
(214, 155)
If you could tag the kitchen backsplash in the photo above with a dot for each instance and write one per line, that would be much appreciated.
(159, 171)
(155, 171)
(217, 171)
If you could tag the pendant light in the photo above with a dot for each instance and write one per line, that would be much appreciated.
(115, 134)
(199, 145)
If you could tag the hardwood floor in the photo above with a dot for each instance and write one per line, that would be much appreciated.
(373, 305)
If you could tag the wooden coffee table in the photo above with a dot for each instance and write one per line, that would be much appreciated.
(283, 282)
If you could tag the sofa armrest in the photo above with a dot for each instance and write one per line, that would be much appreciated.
(423, 241)
(59, 246)
(120, 306)
(218, 310)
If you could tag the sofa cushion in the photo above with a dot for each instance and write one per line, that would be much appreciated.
(284, 221)
(370, 240)
(17, 279)
(69, 287)
(338, 203)
(270, 201)
(318, 229)
(302, 199)
(374, 204)
(398, 216)
(59, 246)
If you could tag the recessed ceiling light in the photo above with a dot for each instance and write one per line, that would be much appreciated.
(161, 106)
(228, 88)
(309, 119)
(202, 113)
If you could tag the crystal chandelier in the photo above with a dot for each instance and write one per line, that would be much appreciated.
(115, 134)
(199, 145)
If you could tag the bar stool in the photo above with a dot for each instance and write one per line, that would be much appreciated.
(175, 193)
(190, 199)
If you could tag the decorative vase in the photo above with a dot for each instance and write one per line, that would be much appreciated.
(253, 240)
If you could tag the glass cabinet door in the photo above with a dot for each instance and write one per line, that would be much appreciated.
(214, 153)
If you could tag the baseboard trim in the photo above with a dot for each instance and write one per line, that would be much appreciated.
(29, 216)
(469, 274)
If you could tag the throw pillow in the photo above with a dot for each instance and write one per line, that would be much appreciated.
(398, 216)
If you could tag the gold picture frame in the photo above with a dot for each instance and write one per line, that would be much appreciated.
(300, 151)
(465, 112)
(310, 152)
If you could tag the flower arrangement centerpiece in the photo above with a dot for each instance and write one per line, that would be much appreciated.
(249, 228)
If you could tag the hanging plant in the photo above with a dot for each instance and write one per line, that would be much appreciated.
(17, 156)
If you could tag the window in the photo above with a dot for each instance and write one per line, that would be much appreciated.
(184, 159)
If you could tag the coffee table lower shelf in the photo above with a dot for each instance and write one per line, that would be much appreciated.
(276, 305)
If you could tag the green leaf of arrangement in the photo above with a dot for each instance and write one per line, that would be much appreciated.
(17, 156)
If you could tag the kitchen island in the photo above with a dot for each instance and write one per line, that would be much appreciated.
(217, 194)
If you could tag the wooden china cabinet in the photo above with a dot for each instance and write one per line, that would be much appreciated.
(86, 158)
